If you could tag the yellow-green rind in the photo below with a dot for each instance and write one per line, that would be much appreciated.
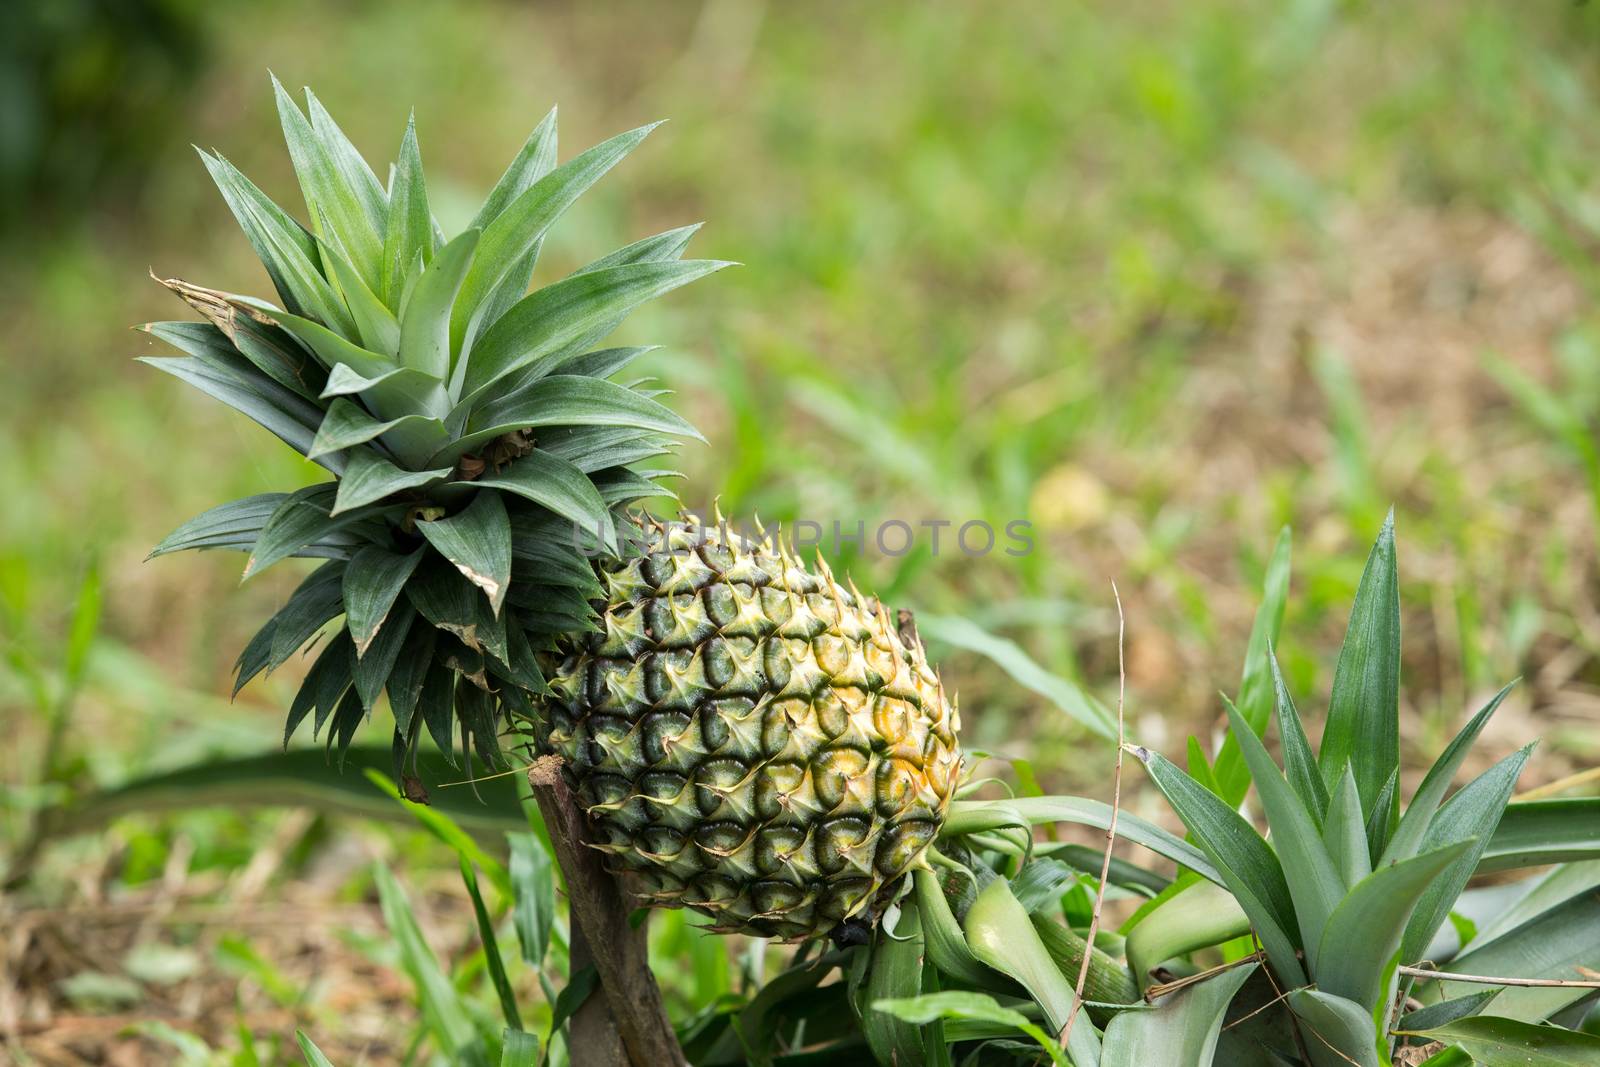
(751, 739)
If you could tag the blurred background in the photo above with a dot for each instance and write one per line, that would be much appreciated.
(1160, 279)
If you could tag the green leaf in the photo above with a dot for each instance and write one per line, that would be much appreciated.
(1197, 916)
(1381, 820)
(1183, 1028)
(1551, 412)
(324, 686)
(1255, 686)
(533, 883)
(342, 730)
(1009, 656)
(333, 348)
(313, 604)
(1338, 1032)
(436, 703)
(1039, 885)
(336, 209)
(347, 424)
(519, 1049)
(1344, 832)
(517, 229)
(478, 542)
(1363, 727)
(1538, 895)
(968, 816)
(308, 1048)
(658, 248)
(233, 366)
(1445, 1012)
(533, 162)
(594, 448)
(536, 158)
(1536, 832)
(300, 777)
(1552, 944)
(606, 361)
(1470, 815)
(1497, 1042)
(236, 525)
(520, 667)
(1363, 934)
(568, 317)
(403, 384)
(284, 247)
(946, 944)
(246, 399)
(755, 1029)
(930, 1007)
(408, 238)
(371, 671)
(404, 684)
(301, 519)
(236, 331)
(1425, 802)
(369, 478)
(372, 581)
(444, 1013)
(619, 485)
(491, 949)
(565, 400)
(896, 972)
(1244, 863)
(449, 601)
(559, 486)
(579, 988)
(1300, 765)
(376, 325)
(1000, 934)
(1314, 882)
(1199, 768)
(352, 168)
(425, 324)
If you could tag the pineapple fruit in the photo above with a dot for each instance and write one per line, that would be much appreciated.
(749, 738)
(752, 739)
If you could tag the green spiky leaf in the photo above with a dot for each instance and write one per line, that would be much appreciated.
(568, 317)
(369, 478)
(372, 582)
(478, 542)
(519, 226)
(1363, 727)
(556, 484)
(408, 237)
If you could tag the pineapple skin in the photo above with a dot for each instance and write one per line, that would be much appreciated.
(750, 739)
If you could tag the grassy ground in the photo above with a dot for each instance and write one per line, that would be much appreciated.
(1159, 279)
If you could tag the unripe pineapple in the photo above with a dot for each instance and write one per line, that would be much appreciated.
(752, 739)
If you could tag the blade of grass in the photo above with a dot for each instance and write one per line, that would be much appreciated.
(1256, 685)
(491, 948)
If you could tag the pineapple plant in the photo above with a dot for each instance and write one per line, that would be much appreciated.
(750, 738)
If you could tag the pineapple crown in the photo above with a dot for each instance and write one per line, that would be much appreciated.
(470, 427)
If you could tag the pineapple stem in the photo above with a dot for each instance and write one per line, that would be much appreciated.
(617, 949)
(592, 1032)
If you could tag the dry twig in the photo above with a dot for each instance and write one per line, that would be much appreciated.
(1111, 828)
(1489, 979)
